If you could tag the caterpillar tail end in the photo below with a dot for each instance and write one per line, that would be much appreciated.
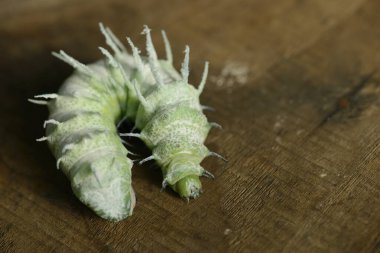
(105, 188)
(121, 208)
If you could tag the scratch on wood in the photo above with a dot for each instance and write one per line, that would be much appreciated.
(344, 101)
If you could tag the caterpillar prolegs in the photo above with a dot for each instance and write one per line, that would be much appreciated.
(82, 127)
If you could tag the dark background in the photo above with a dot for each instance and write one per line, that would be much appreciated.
(295, 85)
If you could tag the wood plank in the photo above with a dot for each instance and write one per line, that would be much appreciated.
(301, 132)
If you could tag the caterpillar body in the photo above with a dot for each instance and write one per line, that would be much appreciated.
(82, 127)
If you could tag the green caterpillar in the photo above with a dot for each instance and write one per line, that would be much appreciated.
(82, 127)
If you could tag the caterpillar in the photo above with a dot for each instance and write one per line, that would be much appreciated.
(82, 128)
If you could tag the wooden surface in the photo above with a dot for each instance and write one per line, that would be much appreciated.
(301, 127)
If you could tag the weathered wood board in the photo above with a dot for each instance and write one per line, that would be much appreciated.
(295, 84)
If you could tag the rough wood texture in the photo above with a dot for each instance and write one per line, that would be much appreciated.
(301, 133)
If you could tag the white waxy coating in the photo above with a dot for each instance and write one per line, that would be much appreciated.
(82, 133)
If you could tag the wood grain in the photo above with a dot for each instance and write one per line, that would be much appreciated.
(301, 133)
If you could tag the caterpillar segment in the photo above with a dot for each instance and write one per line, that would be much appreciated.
(82, 133)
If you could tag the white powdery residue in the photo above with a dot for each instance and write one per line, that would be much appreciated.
(231, 74)
(227, 231)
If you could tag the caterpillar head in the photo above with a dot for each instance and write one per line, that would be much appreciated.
(188, 187)
(182, 175)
